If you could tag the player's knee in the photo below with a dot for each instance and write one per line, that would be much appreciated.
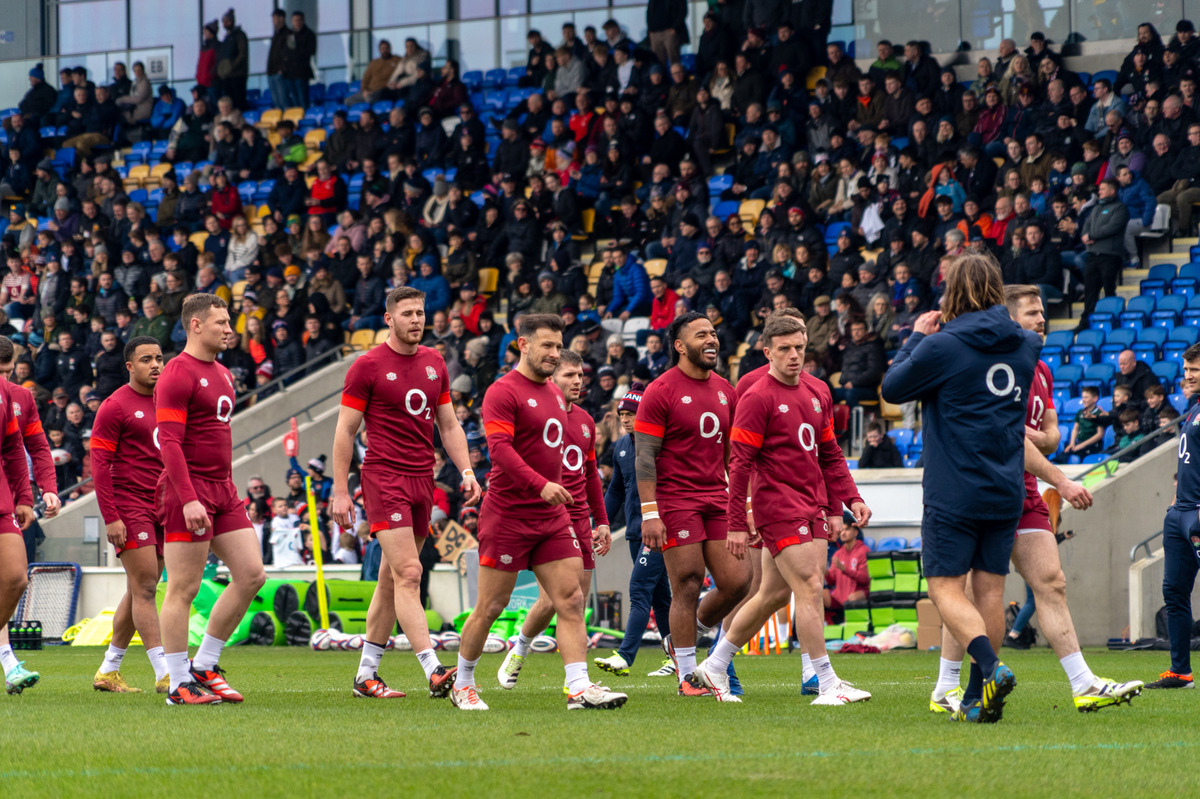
(1055, 583)
(778, 596)
(570, 604)
(255, 581)
(144, 588)
(689, 584)
(17, 584)
(492, 609)
(407, 576)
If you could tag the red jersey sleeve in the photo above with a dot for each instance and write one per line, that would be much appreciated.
(444, 386)
(357, 391)
(745, 441)
(840, 488)
(595, 490)
(38, 448)
(652, 413)
(12, 453)
(106, 432)
(499, 425)
(171, 399)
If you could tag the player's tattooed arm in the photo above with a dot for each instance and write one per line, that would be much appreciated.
(646, 449)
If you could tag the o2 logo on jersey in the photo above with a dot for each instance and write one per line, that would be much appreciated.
(808, 437)
(1037, 409)
(155, 437)
(417, 409)
(552, 441)
(224, 409)
(710, 426)
(572, 458)
(1009, 382)
(1184, 455)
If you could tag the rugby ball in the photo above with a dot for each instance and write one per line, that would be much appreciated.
(544, 643)
(320, 640)
(494, 644)
(60, 456)
(435, 641)
(401, 643)
(451, 641)
(354, 643)
(510, 642)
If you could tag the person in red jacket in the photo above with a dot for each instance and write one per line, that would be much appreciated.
(450, 93)
(662, 308)
(226, 204)
(327, 196)
(847, 579)
(469, 306)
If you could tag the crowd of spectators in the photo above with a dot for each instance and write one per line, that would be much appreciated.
(744, 179)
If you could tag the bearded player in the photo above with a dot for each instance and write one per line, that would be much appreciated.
(199, 505)
(582, 479)
(402, 391)
(782, 595)
(524, 523)
(126, 465)
(38, 448)
(783, 437)
(682, 431)
(1035, 551)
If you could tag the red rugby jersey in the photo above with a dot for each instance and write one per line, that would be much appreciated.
(399, 396)
(193, 402)
(126, 461)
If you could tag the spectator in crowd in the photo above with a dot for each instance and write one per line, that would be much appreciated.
(879, 451)
(847, 579)
(1087, 431)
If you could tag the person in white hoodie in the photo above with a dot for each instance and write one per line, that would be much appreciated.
(286, 541)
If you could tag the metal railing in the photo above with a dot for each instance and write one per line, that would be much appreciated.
(1147, 443)
(1143, 545)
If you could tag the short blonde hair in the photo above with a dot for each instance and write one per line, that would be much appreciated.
(973, 283)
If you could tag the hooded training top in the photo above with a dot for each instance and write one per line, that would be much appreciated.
(973, 378)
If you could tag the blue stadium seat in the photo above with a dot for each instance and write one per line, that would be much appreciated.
(1061, 396)
(513, 76)
(1183, 287)
(1086, 349)
(1156, 335)
(263, 190)
(1052, 359)
(1191, 317)
(1167, 311)
(833, 230)
(1109, 75)
(138, 196)
(1110, 438)
(1067, 376)
(316, 93)
(1105, 404)
(851, 463)
(494, 79)
(357, 109)
(1137, 312)
(1152, 288)
(719, 183)
(1146, 351)
(1173, 350)
(1099, 456)
(353, 87)
(479, 198)
(246, 190)
(1071, 407)
(473, 80)
(903, 438)
(337, 92)
(689, 61)
(910, 461)
(1112, 306)
(1168, 372)
(723, 210)
(1099, 375)
(1060, 340)
(870, 542)
(914, 543)
(1178, 402)
(1163, 272)
(154, 198)
(891, 544)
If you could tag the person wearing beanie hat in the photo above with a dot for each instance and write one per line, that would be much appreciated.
(402, 392)
(649, 587)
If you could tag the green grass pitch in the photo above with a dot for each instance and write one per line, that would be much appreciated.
(301, 733)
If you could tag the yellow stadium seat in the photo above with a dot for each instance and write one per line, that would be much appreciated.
(750, 210)
(655, 266)
(489, 279)
(362, 339)
(743, 348)
(589, 220)
(814, 75)
(269, 119)
(239, 288)
(198, 238)
(381, 336)
(595, 269)
(250, 211)
(314, 138)
(138, 173)
(294, 114)
(158, 170)
(890, 411)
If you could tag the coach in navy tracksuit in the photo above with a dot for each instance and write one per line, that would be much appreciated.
(648, 585)
(973, 379)
(1182, 522)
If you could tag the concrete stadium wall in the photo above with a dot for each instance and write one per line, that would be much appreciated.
(258, 430)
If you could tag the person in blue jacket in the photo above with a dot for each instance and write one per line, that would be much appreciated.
(429, 280)
(1139, 198)
(166, 112)
(973, 378)
(631, 288)
(648, 584)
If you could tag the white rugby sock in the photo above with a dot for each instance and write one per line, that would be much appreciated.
(158, 662)
(685, 656)
(7, 659)
(1078, 673)
(521, 647)
(179, 667)
(208, 654)
(429, 661)
(368, 662)
(807, 672)
(825, 673)
(722, 655)
(949, 676)
(577, 677)
(112, 659)
(465, 676)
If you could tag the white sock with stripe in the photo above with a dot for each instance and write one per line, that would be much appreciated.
(158, 661)
(208, 654)
(112, 659)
